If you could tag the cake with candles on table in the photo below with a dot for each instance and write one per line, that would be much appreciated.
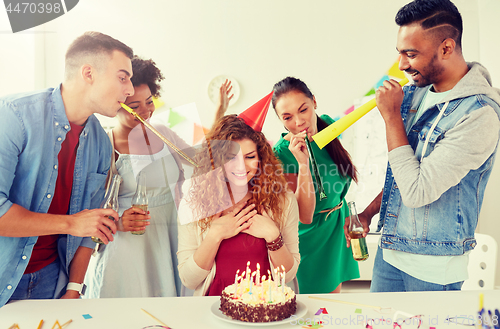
(253, 298)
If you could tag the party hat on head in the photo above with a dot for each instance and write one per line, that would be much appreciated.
(255, 115)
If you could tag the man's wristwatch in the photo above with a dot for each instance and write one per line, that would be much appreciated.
(80, 287)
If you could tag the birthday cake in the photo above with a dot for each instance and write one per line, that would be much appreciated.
(264, 301)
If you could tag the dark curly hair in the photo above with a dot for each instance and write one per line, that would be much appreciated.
(146, 72)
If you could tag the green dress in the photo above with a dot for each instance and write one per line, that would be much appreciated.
(325, 260)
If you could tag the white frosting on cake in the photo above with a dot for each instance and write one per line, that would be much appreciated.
(263, 293)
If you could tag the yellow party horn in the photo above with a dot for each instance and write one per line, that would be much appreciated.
(157, 133)
(331, 132)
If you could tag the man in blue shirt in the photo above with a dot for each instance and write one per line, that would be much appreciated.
(54, 159)
(442, 135)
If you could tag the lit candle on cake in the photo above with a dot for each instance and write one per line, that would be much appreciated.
(236, 282)
(276, 277)
(269, 285)
(248, 271)
(251, 282)
(263, 291)
(283, 273)
(258, 275)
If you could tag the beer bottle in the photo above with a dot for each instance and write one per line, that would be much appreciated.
(358, 242)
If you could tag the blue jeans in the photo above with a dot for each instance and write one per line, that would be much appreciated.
(387, 278)
(38, 285)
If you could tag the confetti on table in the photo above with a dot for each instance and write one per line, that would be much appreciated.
(314, 326)
(87, 316)
(322, 310)
(358, 310)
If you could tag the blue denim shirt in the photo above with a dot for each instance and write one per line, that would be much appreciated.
(33, 127)
(445, 226)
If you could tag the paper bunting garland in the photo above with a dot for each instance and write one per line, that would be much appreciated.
(380, 83)
(174, 118)
(157, 102)
(370, 92)
(199, 133)
(349, 110)
(394, 71)
(331, 132)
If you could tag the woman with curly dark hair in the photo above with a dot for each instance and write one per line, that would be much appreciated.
(238, 210)
(141, 265)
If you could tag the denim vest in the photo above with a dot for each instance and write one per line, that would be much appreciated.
(445, 226)
(33, 127)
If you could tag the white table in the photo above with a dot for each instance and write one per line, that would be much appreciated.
(194, 312)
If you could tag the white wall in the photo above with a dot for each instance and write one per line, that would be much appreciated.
(339, 48)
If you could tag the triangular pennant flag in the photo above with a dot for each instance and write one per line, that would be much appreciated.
(349, 110)
(371, 92)
(381, 81)
(199, 132)
(394, 71)
(255, 115)
(158, 102)
(175, 118)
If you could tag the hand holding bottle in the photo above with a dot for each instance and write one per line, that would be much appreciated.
(356, 235)
(365, 221)
(133, 220)
(94, 222)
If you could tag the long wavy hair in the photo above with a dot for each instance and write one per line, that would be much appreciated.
(209, 186)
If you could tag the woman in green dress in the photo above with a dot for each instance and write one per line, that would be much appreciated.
(326, 262)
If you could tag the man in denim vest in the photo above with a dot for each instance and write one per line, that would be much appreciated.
(442, 134)
(54, 158)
